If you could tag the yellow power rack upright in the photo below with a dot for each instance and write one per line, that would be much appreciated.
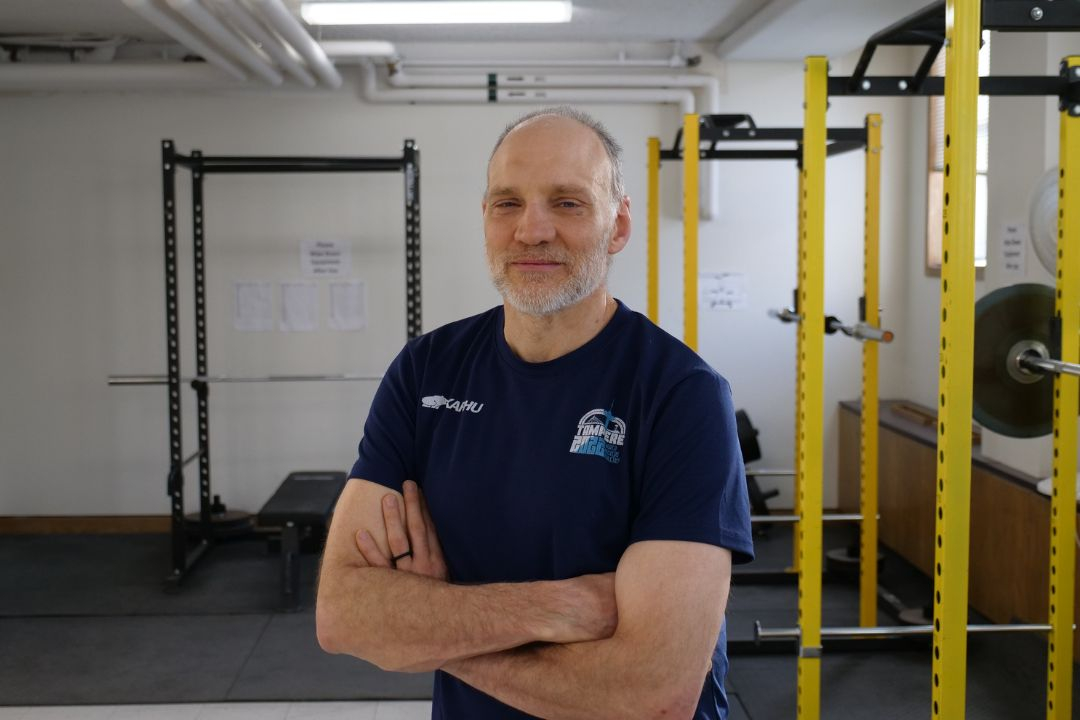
(810, 402)
(1066, 391)
(868, 429)
(691, 156)
(653, 250)
(963, 27)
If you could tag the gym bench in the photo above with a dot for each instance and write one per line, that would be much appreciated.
(302, 505)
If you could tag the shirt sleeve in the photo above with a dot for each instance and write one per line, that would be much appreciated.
(386, 453)
(693, 484)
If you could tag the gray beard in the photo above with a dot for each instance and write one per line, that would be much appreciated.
(539, 301)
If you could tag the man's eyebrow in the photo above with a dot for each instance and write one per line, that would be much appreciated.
(559, 189)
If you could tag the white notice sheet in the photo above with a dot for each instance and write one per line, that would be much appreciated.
(299, 307)
(254, 308)
(348, 306)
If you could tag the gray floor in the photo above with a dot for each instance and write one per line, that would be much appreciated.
(84, 623)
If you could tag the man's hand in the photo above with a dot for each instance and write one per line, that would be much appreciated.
(587, 612)
(413, 542)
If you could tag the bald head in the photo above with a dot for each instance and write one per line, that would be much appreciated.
(611, 148)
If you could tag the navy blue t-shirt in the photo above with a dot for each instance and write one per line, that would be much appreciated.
(551, 470)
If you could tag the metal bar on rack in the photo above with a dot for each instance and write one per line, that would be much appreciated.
(993, 85)
(174, 482)
(202, 390)
(853, 633)
(413, 307)
(163, 379)
(827, 517)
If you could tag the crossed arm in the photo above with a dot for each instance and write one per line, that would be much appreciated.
(633, 644)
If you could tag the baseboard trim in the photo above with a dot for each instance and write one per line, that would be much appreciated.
(85, 525)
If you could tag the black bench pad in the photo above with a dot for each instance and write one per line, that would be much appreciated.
(304, 498)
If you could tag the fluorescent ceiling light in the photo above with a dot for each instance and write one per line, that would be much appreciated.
(358, 48)
(452, 12)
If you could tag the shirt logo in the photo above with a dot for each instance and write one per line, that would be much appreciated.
(437, 402)
(599, 432)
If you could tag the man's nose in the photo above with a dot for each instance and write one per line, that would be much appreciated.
(535, 225)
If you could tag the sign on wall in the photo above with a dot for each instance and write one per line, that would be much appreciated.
(1014, 248)
(325, 258)
(722, 291)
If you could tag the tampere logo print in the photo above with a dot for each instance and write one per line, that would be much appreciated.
(599, 432)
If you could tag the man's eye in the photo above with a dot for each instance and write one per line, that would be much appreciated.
(569, 204)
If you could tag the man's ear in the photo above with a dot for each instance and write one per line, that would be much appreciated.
(621, 235)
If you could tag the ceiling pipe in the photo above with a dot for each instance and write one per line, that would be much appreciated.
(677, 60)
(285, 23)
(399, 78)
(708, 85)
(239, 14)
(164, 22)
(359, 51)
(240, 48)
(374, 93)
(85, 77)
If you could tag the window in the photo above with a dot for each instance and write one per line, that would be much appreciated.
(936, 175)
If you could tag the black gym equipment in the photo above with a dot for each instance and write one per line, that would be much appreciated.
(719, 129)
(184, 555)
(299, 511)
(751, 451)
(1016, 338)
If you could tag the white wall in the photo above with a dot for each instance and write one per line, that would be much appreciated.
(81, 277)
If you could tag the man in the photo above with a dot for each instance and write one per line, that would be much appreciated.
(565, 550)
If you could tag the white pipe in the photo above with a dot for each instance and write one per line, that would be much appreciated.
(675, 61)
(153, 14)
(358, 50)
(684, 98)
(286, 24)
(373, 93)
(548, 63)
(239, 14)
(399, 78)
(709, 204)
(241, 49)
(82, 77)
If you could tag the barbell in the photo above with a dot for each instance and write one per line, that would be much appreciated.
(860, 331)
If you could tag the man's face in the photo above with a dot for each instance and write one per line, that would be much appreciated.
(550, 223)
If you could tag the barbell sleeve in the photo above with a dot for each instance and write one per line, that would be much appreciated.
(786, 315)
(1036, 363)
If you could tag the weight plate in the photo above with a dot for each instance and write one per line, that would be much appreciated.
(1043, 219)
(1004, 318)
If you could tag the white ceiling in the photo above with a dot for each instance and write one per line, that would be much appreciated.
(734, 29)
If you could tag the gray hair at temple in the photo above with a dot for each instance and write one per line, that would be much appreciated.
(611, 146)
